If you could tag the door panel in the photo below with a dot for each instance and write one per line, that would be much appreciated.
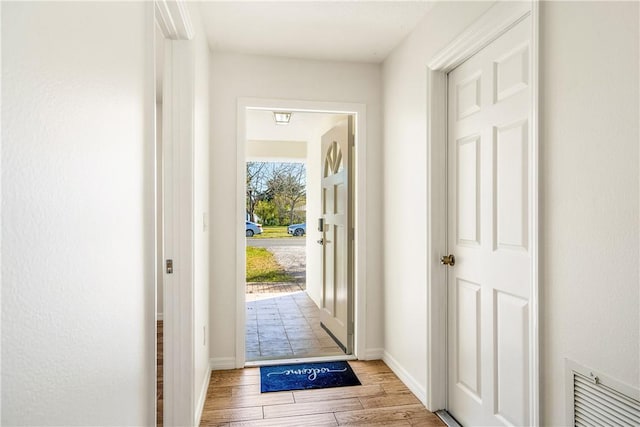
(511, 192)
(511, 357)
(336, 311)
(468, 180)
(489, 184)
(468, 323)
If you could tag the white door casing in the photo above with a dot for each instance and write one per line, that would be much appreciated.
(489, 224)
(487, 28)
(336, 311)
(177, 199)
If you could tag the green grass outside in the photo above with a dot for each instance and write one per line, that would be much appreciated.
(262, 267)
(272, 232)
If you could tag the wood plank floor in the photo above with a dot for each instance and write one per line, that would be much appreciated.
(159, 373)
(234, 399)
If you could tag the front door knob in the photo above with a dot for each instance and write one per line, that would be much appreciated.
(321, 241)
(448, 260)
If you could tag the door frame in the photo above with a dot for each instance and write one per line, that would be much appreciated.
(359, 268)
(496, 21)
(179, 400)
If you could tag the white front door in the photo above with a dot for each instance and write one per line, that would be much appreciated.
(489, 229)
(336, 311)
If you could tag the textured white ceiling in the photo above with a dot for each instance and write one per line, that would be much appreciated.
(358, 31)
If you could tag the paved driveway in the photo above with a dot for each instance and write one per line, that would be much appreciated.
(290, 253)
(270, 243)
(293, 259)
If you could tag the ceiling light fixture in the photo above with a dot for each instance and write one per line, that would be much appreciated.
(281, 117)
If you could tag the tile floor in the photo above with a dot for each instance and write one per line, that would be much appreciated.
(285, 325)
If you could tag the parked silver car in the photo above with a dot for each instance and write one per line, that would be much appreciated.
(253, 228)
(297, 229)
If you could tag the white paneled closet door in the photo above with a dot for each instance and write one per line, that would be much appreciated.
(489, 223)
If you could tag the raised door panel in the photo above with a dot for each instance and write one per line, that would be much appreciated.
(511, 73)
(511, 358)
(468, 190)
(511, 183)
(468, 346)
(468, 96)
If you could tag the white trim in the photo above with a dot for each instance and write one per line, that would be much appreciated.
(436, 242)
(534, 200)
(173, 19)
(151, 211)
(154, 341)
(203, 398)
(222, 363)
(178, 135)
(241, 262)
(498, 19)
(360, 194)
(373, 354)
(404, 376)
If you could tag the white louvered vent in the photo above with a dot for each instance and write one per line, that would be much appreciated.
(599, 401)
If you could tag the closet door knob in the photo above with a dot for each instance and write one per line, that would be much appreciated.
(449, 260)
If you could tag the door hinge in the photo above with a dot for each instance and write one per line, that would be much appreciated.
(353, 233)
(169, 266)
(351, 327)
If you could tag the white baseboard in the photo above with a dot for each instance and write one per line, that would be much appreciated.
(159, 316)
(373, 354)
(411, 383)
(222, 363)
(202, 398)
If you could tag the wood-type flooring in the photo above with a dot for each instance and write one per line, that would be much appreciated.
(234, 399)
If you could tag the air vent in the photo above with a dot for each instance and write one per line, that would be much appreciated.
(599, 401)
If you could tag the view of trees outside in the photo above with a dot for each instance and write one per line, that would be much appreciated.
(276, 192)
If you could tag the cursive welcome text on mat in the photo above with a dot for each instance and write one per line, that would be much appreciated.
(312, 373)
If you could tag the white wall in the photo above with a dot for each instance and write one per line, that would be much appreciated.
(590, 214)
(78, 345)
(405, 238)
(276, 151)
(201, 227)
(589, 190)
(234, 76)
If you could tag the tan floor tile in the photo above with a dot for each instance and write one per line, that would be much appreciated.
(286, 326)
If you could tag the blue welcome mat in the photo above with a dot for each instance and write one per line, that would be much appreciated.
(303, 376)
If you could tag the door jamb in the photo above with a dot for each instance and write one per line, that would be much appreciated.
(359, 203)
(172, 17)
(495, 22)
